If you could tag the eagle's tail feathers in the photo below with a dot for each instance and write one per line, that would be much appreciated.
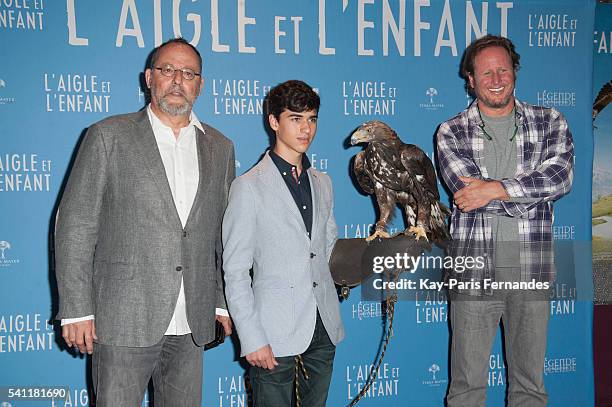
(437, 222)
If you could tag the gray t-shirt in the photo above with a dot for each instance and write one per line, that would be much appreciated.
(500, 160)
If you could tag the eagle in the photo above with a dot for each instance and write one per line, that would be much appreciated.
(399, 174)
(604, 97)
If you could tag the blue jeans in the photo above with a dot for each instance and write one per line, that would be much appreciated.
(275, 388)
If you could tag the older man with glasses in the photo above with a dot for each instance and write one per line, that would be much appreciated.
(138, 240)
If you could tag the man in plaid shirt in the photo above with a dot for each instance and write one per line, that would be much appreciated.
(505, 162)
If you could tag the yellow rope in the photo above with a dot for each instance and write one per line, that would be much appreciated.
(299, 365)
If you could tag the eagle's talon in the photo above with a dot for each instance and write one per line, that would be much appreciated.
(378, 233)
(418, 231)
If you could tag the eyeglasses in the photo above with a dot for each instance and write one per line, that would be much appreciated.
(170, 71)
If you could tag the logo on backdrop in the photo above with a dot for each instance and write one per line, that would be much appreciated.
(5, 259)
(4, 245)
(141, 96)
(238, 97)
(22, 15)
(556, 98)
(5, 100)
(559, 365)
(76, 93)
(25, 333)
(562, 300)
(497, 367)
(369, 98)
(435, 376)
(431, 95)
(75, 397)
(386, 383)
(552, 30)
(357, 230)
(318, 162)
(564, 232)
(5, 404)
(232, 391)
(363, 230)
(430, 306)
(287, 34)
(24, 173)
(366, 309)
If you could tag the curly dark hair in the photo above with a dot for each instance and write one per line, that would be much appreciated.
(293, 95)
(489, 40)
(179, 40)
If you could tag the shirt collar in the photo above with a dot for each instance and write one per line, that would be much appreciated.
(474, 117)
(286, 167)
(156, 123)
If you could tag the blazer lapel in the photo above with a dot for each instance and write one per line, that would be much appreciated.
(315, 192)
(146, 147)
(204, 147)
(273, 178)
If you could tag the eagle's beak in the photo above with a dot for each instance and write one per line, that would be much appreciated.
(359, 136)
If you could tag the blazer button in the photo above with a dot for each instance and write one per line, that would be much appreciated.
(178, 268)
(312, 255)
(314, 284)
(184, 233)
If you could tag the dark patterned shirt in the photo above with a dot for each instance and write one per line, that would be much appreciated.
(299, 186)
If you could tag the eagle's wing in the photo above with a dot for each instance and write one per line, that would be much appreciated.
(361, 173)
(385, 166)
(431, 213)
(420, 166)
(604, 97)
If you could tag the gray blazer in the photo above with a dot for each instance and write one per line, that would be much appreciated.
(263, 230)
(120, 247)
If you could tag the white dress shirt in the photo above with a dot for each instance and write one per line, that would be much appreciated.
(180, 158)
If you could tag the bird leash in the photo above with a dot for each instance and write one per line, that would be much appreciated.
(299, 366)
(390, 310)
(299, 363)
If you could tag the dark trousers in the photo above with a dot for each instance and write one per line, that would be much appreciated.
(275, 388)
(121, 373)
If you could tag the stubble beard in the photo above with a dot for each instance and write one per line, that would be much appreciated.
(491, 103)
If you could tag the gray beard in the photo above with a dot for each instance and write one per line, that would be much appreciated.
(174, 110)
(169, 109)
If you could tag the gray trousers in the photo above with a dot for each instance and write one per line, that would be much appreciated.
(121, 374)
(474, 323)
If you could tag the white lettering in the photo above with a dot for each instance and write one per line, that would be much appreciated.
(446, 22)
(243, 21)
(72, 31)
(419, 25)
(399, 32)
(129, 7)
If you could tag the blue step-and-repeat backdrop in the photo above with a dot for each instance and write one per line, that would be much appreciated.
(67, 64)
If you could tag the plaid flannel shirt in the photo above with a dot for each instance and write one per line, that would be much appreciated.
(544, 173)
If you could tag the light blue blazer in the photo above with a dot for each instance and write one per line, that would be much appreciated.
(263, 230)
